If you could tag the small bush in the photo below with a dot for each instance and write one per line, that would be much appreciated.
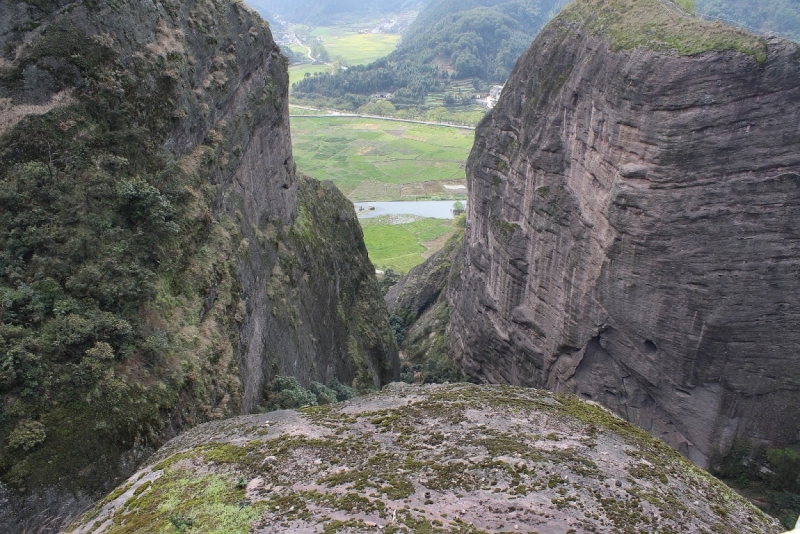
(389, 278)
(399, 328)
(343, 392)
(180, 522)
(325, 395)
(285, 392)
(786, 465)
(27, 435)
(776, 490)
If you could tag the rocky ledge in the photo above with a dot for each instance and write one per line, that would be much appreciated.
(444, 458)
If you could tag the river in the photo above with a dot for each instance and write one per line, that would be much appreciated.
(435, 209)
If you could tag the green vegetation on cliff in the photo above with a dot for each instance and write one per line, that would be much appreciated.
(108, 250)
(662, 26)
(126, 237)
(420, 314)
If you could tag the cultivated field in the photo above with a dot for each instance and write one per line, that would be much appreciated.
(352, 47)
(297, 72)
(371, 159)
(403, 246)
(356, 48)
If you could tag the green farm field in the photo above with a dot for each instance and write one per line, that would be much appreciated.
(382, 160)
(353, 47)
(356, 48)
(297, 72)
(403, 246)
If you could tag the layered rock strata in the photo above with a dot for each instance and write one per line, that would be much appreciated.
(632, 231)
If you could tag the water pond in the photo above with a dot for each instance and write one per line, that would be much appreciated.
(435, 209)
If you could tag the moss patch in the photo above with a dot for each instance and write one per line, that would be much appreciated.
(442, 459)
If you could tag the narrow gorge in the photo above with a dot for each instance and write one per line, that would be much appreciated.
(626, 277)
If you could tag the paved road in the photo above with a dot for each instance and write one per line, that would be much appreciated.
(377, 117)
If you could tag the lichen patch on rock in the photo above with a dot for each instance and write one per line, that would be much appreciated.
(443, 458)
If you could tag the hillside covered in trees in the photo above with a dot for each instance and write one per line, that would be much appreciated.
(482, 39)
(322, 12)
(451, 39)
(765, 16)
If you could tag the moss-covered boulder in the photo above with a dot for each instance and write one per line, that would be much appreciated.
(441, 458)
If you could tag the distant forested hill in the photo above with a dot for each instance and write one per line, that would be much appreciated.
(770, 16)
(482, 39)
(451, 39)
(324, 12)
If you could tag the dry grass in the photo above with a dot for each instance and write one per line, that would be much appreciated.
(168, 40)
(11, 114)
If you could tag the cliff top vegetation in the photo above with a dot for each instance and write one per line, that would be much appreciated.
(661, 25)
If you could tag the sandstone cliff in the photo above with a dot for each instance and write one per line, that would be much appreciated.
(445, 459)
(632, 231)
(160, 260)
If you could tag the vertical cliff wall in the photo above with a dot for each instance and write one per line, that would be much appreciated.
(632, 232)
(160, 260)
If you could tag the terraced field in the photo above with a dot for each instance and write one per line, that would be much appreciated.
(297, 72)
(356, 48)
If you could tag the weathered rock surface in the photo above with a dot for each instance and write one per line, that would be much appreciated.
(260, 273)
(450, 458)
(633, 226)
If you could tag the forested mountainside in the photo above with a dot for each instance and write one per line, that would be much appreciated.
(324, 12)
(160, 261)
(780, 17)
(632, 233)
(450, 39)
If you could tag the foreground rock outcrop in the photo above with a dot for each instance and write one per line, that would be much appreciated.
(633, 230)
(450, 458)
(160, 261)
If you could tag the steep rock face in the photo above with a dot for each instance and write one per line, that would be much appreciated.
(420, 316)
(445, 458)
(325, 299)
(632, 230)
(159, 259)
(421, 288)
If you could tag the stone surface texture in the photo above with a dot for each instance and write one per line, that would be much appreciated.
(441, 458)
(633, 235)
